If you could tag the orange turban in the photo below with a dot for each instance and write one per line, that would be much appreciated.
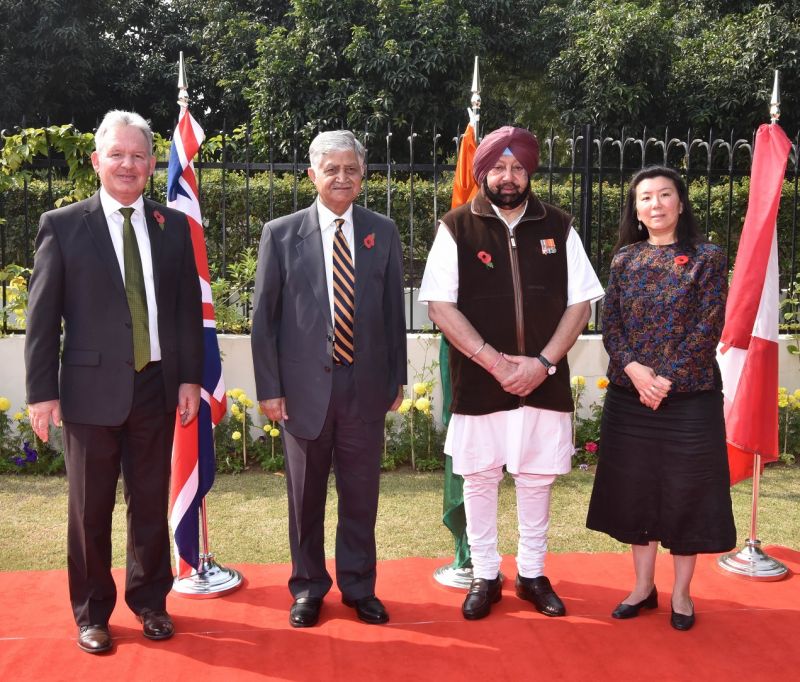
(522, 144)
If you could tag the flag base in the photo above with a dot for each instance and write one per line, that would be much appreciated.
(455, 577)
(209, 581)
(753, 563)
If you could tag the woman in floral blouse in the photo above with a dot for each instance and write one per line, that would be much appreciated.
(662, 474)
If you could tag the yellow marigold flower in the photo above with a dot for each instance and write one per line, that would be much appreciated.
(235, 411)
(602, 383)
(5, 403)
(246, 402)
(782, 390)
(783, 401)
(420, 388)
(241, 416)
(796, 393)
(423, 405)
(275, 432)
(405, 406)
(266, 427)
(236, 393)
(578, 381)
(236, 435)
(18, 416)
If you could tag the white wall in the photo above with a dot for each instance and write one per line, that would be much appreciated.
(587, 358)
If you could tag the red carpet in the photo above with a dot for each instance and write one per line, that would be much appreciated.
(743, 628)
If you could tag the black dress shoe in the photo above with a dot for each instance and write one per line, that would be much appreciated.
(369, 609)
(156, 624)
(540, 592)
(632, 610)
(680, 621)
(482, 594)
(305, 612)
(94, 639)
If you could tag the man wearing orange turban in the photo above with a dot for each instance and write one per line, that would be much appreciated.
(509, 283)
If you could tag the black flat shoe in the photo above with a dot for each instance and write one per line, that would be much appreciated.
(541, 594)
(680, 621)
(632, 610)
(305, 612)
(369, 609)
(482, 594)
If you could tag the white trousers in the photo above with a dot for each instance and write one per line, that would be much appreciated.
(533, 517)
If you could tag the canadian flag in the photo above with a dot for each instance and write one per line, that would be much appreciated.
(748, 350)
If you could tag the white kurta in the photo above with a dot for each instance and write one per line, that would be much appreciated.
(528, 439)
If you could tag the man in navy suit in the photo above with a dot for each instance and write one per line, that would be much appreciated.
(330, 368)
(117, 398)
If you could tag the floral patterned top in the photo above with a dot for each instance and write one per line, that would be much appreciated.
(665, 308)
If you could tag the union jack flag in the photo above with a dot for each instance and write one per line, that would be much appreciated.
(193, 462)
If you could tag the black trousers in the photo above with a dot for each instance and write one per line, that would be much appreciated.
(95, 455)
(354, 448)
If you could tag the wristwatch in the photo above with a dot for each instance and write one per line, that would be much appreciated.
(549, 366)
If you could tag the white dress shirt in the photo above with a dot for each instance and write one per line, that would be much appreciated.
(114, 220)
(327, 227)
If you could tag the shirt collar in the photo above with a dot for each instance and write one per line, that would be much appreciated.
(111, 205)
(326, 216)
(513, 222)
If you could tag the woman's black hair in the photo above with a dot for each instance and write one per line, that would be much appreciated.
(687, 233)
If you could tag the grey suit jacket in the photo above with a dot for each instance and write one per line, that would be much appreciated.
(76, 278)
(292, 338)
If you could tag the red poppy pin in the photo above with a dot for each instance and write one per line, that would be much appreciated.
(681, 260)
(159, 218)
(369, 240)
(485, 258)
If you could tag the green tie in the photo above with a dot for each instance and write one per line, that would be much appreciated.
(134, 289)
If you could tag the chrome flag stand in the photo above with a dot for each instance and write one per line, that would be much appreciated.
(208, 579)
(752, 562)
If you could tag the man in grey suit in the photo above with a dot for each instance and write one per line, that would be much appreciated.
(118, 270)
(329, 352)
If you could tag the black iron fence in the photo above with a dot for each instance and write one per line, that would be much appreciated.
(243, 184)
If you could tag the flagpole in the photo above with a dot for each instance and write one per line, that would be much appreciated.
(458, 573)
(752, 562)
(210, 579)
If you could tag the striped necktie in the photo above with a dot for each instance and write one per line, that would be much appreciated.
(134, 289)
(344, 277)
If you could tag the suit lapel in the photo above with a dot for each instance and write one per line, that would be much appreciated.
(156, 234)
(312, 258)
(97, 225)
(365, 257)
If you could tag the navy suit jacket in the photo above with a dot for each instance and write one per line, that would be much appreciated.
(76, 278)
(292, 338)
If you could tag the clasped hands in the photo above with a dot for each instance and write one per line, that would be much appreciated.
(519, 374)
(651, 387)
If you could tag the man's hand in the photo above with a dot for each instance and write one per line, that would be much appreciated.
(40, 415)
(274, 409)
(528, 373)
(652, 388)
(188, 402)
(398, 400)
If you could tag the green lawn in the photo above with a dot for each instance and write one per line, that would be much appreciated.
(248, 523)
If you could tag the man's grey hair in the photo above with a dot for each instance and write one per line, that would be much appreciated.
(335, 141)
(119, 119)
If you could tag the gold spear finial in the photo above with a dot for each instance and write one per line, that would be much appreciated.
(183, 91)
(775, 102)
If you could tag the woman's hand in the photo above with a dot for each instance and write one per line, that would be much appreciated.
(652, 388)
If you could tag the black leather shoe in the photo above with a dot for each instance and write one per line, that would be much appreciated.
(156, 624)
(482, 594)
(540, 592)
(632, 610)
(94, 639)
(680, 621)
(369, 609)
(305, 612)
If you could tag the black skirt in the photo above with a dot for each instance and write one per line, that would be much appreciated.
(663, 475)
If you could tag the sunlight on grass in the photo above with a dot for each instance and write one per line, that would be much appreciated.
(248, 518)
